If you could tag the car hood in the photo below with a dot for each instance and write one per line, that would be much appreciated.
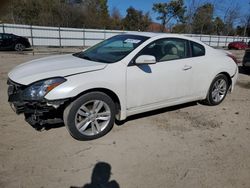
(53, 66)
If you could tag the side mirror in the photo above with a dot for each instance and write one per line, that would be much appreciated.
(145, 59)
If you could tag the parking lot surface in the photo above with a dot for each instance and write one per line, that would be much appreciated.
(190, 145)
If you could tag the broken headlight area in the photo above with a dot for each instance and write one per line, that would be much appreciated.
(38, 90)
(30, 100)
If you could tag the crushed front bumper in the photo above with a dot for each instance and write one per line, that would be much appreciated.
(37, 113)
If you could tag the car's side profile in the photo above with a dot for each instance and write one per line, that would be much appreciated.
(122, 76)
(13, 42)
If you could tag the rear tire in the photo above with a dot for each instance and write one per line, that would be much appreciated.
(218, 90)
(91, 116)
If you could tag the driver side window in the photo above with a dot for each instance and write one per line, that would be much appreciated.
(167, 49)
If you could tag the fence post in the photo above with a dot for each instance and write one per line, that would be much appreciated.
(226, 42)
(31, 35)
(83, 34)
(210, 38)
(59, 34)
(32, 42)
(218, 43)
(104, 33)
(3, 28)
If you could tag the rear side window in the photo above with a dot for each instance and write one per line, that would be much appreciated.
(197, 49)
(7, 36)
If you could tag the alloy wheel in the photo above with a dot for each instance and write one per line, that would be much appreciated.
(219, 90)
(92, 117)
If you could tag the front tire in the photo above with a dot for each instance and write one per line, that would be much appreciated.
(90, 117)
(218, 90)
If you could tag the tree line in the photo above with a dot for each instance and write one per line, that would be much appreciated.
(196, 16)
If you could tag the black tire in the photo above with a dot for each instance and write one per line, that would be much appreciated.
(210, 100)
(19, 47)
(245, 68)
(71, 113)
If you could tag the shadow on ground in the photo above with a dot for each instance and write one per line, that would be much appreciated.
(47, 127)
(100, 177)
(244, 70)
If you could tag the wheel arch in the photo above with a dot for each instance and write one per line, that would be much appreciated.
(224, 73)
(108, 92)
(207, 100)
(228, 77)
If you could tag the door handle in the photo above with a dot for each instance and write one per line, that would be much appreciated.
(187, 67)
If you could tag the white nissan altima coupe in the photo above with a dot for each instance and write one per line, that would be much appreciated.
(124, 75)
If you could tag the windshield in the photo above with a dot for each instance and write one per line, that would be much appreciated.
(112, 49)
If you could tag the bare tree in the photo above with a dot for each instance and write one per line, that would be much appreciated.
(7, 11)
(3, 5)
(203, 19)
(230, 14)
(116, 18)
(192, 7)
(247, 22)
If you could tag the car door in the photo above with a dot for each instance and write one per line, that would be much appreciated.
(166, 81)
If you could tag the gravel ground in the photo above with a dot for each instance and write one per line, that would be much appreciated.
(190, 145)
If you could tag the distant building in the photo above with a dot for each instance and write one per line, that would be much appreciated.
(156, 27)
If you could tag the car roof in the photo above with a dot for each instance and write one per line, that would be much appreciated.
(7, 34)
(145, 34)
(151, 34)
(164, 35)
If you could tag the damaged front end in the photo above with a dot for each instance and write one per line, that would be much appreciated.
(38, 113)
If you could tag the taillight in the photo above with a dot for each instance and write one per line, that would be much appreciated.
(234, 58)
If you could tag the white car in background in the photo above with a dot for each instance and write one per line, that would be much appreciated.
(119, 77)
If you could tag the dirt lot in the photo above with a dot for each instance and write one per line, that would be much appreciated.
(185, 146)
